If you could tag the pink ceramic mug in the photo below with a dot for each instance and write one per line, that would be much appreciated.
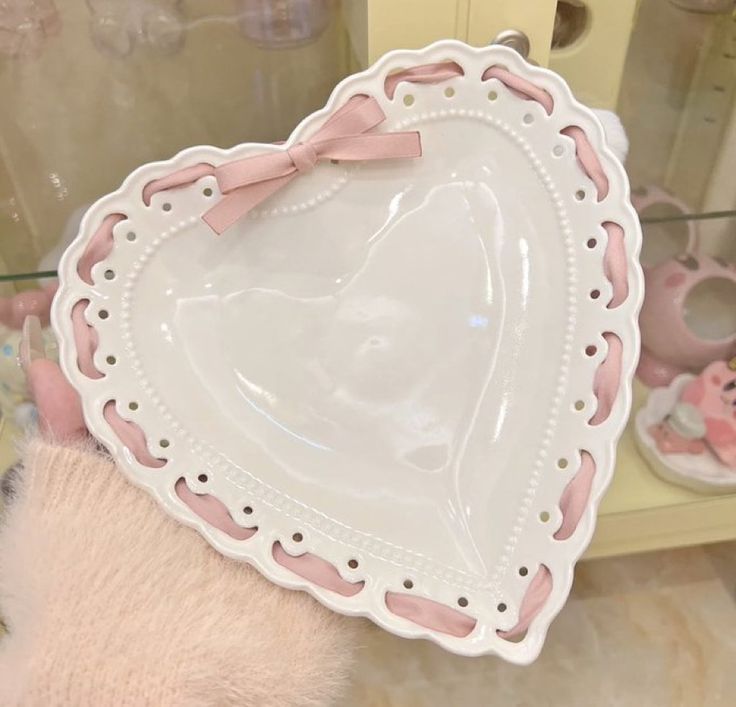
(669, 346)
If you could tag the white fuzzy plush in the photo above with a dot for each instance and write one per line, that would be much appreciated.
(615, 133)
(110, 602)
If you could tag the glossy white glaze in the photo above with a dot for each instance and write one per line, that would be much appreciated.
(387, 358)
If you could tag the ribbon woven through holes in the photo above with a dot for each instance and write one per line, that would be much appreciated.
(345, 135)
(301, 158)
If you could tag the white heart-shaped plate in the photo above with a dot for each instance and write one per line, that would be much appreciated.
(414, 370)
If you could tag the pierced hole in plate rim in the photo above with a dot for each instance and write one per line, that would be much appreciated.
(614, 264)
(449, 92)
(462, 601)
(535, 599)
(519, 87)
(544, 516)
(103, 314)
(85, 339)
(248, 510)
(408, 584)
(580, 194)
(166, 206)
(213, 511)
(591, 243)
(297, 537)
(492, 95)
(607, 379)
(130, 236)
(133, 405)
(207, 191)
(99, 246)
(579, 405)
(408, 100)
(317, 570)
(441, 71)
(501, 607)
(591, 350)
(523, 571)
(577, 490)
(164, 443)
(202, 478)
(595, 294)
(430, 614)
(109, 274)
(558, 150)
(111, 360)
(131, 435)
(562, 463)
(353, 564)
(528, 119)
(588, 160)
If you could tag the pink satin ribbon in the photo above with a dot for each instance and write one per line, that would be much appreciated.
(246, 183)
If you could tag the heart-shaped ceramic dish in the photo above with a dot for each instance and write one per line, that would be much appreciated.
(395, 384)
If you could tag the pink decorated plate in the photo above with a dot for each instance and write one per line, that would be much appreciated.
(394, 381)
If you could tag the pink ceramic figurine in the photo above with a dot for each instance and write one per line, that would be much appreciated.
(704, 419)
(669, 345)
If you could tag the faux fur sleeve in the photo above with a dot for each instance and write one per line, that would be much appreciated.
(110, 602)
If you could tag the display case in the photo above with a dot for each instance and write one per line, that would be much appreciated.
(92, 90)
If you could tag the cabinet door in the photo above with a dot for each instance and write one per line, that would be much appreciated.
(589, 45)
(377, 26)
(536, 19)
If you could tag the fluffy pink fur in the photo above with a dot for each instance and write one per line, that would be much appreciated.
(109, 602)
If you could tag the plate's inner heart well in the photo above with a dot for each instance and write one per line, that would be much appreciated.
(388, 357)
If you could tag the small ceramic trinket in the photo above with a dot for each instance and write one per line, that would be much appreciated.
(675, 338)
(687, 431)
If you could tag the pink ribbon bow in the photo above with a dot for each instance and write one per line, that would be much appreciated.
(246, 183)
